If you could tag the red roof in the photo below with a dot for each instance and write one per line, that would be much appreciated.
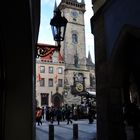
(49, 52)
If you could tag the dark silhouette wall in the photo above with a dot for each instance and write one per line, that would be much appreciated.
(19, 29)
(115, 27)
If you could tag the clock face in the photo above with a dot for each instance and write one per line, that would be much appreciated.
(74, 13)
(79, 87)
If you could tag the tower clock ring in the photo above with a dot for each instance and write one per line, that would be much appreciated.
(79, 87)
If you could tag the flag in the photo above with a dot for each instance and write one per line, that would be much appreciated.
(38, 77)
(55, 78)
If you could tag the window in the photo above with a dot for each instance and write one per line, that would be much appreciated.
(60, 70)
(44, 99)
(50, 82)
(74, 38)
(60, 82)
(79, 77)
(42, 69)
(50, 69)
(42, 82)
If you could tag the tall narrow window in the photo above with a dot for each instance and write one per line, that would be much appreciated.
(42, 69)
(60, 70)
(50, 82)
(42, 82)
(74, 38)
(44, 99)
(50, 69)
(60, 82)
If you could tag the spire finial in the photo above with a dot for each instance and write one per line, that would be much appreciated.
(89, 56)
(55, 6)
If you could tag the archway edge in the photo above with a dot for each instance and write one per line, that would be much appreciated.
(57, 95)
(118, 65)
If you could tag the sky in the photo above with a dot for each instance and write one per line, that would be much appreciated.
(45, 33)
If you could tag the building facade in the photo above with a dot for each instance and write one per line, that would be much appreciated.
(74, 48)
(78, 72)
(50, 77)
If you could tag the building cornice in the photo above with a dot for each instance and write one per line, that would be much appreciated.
(76, 23)
(41, 61)
(72, 4)
(78, 70)
(97, 4)
(98, 11)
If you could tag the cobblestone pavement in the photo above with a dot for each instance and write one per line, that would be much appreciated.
(63, 131)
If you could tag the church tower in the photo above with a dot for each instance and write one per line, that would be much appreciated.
(73, 48)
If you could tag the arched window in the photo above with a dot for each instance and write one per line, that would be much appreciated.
(74, 38)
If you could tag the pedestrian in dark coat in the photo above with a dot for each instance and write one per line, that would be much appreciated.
(68, 113)
(43, 113)
(58, 115)
(47, 113)
(91, 114)
(52, 114)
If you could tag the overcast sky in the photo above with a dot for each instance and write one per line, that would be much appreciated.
(45, 34)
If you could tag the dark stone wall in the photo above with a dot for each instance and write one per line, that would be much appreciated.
(109, 29)
(18, 38)
(116, 15)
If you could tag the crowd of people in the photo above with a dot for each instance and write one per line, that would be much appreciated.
(65, 113)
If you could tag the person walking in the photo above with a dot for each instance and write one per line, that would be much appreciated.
(43, 112)
(68, 113)
(91, 114)
(52, 114)
(58, 115)
(75, 113)
(47, 113)
(39, 115)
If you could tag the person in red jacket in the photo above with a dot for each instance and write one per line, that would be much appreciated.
(39, 115)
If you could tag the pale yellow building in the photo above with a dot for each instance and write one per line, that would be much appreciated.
(49, 77)
(78, 72)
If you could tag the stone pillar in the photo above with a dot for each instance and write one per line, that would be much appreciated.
(75, 131)
(109, 109)
(51, 132)
(115, 118)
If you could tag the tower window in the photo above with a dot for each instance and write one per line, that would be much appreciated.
(60, 70)
(50, 82)
(74, 38)
(42, 82)
(42, 69)
(44, 99)
(50, 69)
(60, 82)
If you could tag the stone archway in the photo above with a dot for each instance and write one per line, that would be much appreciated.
(124, 72)
(57, 100)
(125, 64)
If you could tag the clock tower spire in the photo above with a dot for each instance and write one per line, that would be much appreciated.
(55, 6)
(73, 48)
(75, 33)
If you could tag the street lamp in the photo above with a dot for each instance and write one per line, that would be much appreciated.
(58, 24)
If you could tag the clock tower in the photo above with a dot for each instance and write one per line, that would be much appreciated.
(73, 48)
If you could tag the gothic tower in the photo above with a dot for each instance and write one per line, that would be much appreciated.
(73, 48)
